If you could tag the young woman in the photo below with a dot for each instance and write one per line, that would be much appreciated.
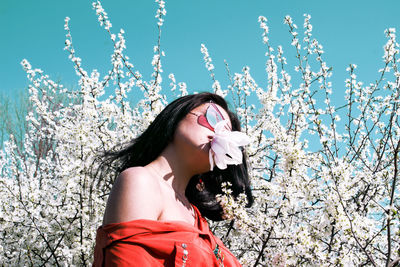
(166, 183)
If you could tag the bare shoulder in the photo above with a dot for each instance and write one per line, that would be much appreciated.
(136, 194)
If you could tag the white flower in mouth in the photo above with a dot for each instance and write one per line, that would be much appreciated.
(225, 146)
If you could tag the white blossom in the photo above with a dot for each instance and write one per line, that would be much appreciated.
(225, 146)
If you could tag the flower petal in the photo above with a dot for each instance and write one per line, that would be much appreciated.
(211, 159)
(221, 126)
(239, 138)
(236, 154)
(220, 161)
(225, 146)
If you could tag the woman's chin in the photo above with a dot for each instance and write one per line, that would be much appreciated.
(205, 147)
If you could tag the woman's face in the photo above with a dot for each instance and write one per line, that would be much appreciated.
(195, 132)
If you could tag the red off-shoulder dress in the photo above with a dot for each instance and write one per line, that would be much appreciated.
(160, 243)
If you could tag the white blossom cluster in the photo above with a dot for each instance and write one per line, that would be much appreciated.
(325, 188)
(210, 67)
(51, 205)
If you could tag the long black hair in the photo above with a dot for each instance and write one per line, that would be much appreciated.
(149, 145)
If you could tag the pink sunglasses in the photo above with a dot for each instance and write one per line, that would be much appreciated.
(212, 117)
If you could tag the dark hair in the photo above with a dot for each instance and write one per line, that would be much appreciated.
(149, 145)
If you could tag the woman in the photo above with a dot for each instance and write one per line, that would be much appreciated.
(167, 181)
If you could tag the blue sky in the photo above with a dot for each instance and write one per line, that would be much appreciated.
(350, 31)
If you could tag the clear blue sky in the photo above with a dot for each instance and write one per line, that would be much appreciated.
(350, 31)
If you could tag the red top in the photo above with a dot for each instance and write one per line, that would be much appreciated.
(160, 243)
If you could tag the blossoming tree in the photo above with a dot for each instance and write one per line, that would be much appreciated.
(325, 188)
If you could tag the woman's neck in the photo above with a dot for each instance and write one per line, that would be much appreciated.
(172, 169)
